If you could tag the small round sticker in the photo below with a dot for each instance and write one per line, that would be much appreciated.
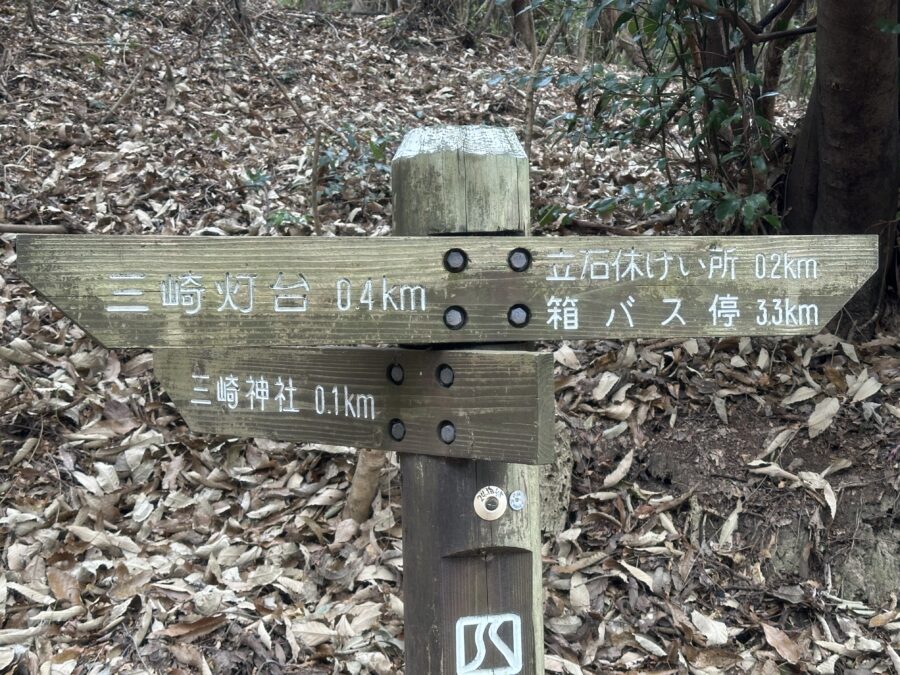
(517, 500)
(490, 502)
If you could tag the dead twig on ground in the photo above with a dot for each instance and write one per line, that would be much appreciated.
(129, 90)
(32, 21)
(262, 64)
(579, 224)
(203, 33)
(314, 182)
(24, 228)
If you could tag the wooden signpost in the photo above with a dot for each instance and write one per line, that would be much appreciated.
(472, 588)
(209, 292)
(472, 425)
(463, 404)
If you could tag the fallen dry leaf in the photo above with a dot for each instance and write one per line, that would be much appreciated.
(715, 632)
(313, 633)
(607, 381)
(566, 356)
(883, 619)
(822, 417)
(800, 394)
(789, 650)
(64, 585)
(621, 470)
(192, 630)
(868, 389)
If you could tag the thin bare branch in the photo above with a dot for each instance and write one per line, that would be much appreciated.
(314, 182)
(809, 27)
(25, 228)
(128, 91)
(751, 32)
(530, 103)
(774, 13)
(262, 64)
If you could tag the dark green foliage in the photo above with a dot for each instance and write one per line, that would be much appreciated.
(684, 86)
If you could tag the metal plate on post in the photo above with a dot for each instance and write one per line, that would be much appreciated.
(455, 403)
(490, 502)
(181, 291)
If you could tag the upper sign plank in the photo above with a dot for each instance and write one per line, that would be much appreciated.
(181, 291)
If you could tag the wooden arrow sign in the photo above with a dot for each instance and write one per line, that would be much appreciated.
(185, 291)
(464, 404)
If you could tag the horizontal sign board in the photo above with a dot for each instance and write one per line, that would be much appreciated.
(186, 291)
(455, 403)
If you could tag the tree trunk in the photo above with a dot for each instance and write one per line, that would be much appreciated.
(365, 483)
(844, 178)
(365, 7)
(600, 41)
(802, 188)
(243, 19)
(523, 24)
(716, 53)
(774, 60)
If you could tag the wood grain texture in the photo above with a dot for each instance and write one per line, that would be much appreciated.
(456, 565)
(460, 170)
(397, 290)
(500, 403)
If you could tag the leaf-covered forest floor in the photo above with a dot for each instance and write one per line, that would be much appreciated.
(734, 503)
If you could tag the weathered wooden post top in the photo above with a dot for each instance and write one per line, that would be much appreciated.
(472, 425)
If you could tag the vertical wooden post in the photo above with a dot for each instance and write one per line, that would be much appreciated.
(472, 587)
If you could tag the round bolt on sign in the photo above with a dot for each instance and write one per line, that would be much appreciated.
(455, 317)
(447, 431)
(397, 429)
(455, 260)
(519, 259)
(490, 502)
(518, 316)
(445, 375)
(396, 374)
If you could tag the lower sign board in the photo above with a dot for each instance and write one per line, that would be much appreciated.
(195, 291)
(455, 403)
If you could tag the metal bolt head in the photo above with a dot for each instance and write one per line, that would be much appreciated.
(455, 260)
(517, 500)
(397, 429)
(519, 259)
(491, 503)
(518, 316)
(395, 373)
(445, 375)
(447, 431)
(454, 317)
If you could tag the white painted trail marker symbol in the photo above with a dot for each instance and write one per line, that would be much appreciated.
(470, 632)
